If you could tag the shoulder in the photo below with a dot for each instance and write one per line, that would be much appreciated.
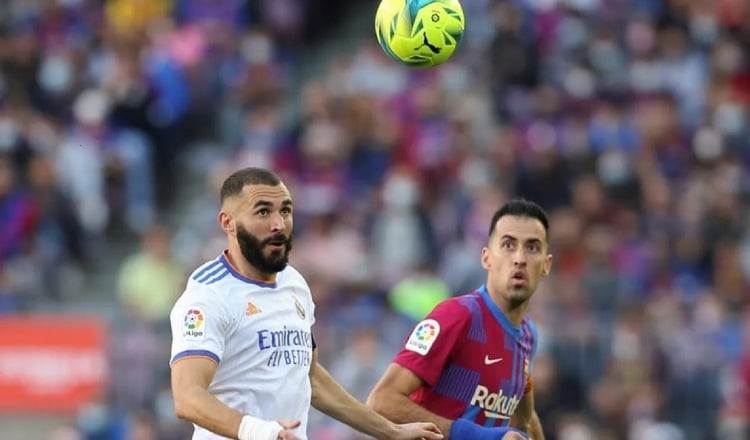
(528, 325)
(463, 305)
(290, 274)
(200, 289)
(209, 273)
(530, 333)
(455, 310)
(290, 277)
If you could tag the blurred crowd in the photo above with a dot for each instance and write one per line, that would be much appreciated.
(626, 119)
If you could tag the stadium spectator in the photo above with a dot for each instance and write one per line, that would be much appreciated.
(150, 280)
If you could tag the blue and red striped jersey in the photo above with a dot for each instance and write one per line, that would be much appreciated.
(474, 363)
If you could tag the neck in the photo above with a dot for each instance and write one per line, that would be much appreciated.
(243, 267)
(514, 311)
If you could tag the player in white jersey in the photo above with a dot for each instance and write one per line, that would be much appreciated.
(244, 361)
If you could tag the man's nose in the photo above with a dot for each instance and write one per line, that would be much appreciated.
(519, 257)
(277, 222)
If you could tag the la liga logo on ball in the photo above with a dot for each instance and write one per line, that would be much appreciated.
(193, 324)
(419, 33)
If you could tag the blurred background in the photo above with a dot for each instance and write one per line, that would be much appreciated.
(626, 119)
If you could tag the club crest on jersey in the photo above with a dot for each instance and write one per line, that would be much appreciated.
(193, 324)
(299, 308)
(423, 336)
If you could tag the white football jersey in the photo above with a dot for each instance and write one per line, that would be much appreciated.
(259, 334)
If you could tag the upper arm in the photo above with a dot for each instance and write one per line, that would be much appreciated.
(313, 363)
(432, 341)
(398, 380)
(190, 372)
(199, 326)
(524, 412)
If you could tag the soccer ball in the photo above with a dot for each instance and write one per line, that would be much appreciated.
(419, 33)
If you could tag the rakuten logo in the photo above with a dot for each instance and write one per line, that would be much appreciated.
(495, 405)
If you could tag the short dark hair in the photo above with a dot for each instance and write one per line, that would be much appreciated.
(247, 176)
(521, 208)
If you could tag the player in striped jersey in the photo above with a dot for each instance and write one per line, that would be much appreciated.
(467, 365)
(244, 361)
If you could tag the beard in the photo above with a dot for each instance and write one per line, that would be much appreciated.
(252, 249)
(519, 293)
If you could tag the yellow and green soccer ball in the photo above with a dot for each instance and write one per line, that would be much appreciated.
(419, 33)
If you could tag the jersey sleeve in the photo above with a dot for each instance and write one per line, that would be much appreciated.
(312, 322)
(308, 299)
(199, 325)
(311, 305)
(432, 341)
(535, 341)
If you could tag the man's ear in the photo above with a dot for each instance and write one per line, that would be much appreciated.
(485, 258)
(547, 265)
(226, 222)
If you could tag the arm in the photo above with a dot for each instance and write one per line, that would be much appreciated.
(192, 401)
(526, 418)
(390, 397)
(329, 397)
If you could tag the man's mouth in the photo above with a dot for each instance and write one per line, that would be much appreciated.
(277, 243)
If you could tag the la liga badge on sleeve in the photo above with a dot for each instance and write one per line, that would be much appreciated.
(194, 324)
(423, 336)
